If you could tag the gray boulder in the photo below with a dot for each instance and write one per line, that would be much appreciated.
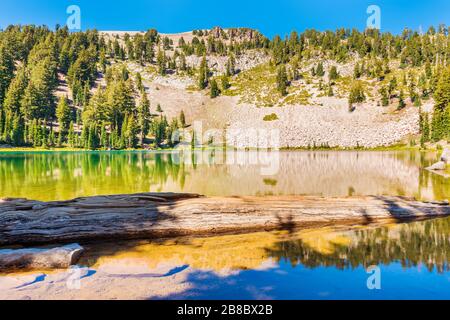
(445, 157)
(439, 166)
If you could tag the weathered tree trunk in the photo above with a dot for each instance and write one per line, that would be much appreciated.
(54, 258)
(152, 215)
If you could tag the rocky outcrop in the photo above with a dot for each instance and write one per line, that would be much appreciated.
(217, 64)
(53, 258)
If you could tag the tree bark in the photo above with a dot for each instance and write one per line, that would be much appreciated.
(154, 215)
(54, 258)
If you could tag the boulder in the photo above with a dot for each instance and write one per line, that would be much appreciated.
(48, 258)
(439, 166)
(445, 157)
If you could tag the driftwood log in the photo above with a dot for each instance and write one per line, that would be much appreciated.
(51, 258)
(153, 215)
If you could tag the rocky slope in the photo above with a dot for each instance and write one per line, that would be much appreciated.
(305, 118)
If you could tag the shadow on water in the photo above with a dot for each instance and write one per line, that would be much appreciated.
(313, 263)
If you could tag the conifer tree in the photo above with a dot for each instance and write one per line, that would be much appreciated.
(161, 60)
(16, 92)
(320, 70)
(441, 114)
(144, 118)
(17, 134)
(182, 119)
(215, 91)
(357, 94)
(64, 115)
(6, 70)
(333, 74)
(71, 136)
(282, 81)
(203, 75)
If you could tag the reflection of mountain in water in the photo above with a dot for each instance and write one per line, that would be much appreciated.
(57, 176)
(314, 173)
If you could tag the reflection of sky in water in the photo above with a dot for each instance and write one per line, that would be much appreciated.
(287, 282)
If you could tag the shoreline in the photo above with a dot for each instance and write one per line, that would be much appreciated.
(287, 149)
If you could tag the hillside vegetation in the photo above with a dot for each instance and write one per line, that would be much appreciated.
(117, 90)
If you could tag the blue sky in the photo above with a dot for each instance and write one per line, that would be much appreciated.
(270, 17)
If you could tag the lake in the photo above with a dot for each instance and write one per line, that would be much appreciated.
(62, 176)
(321, 263)
(380, 261)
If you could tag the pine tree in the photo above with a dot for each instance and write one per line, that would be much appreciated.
(17, 134)
(441, 114)
(357, 71)
(203, 75)
(384, 96)
(131, 131)
(401, 101)
(161, 60)
(144, 118)
(215, 91)
(182, 119)
(320, 70)
(6, 70)
(104, 138)
(333, 74)
(71, 136)
(16, 92)
(357, 94)
(282, 81)
(64, 115)
(231, 66)
(225, 83)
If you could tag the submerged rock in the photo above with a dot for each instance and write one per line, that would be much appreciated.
(49, 258)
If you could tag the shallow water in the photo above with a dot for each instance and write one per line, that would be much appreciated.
(322, 263)
(61, 176)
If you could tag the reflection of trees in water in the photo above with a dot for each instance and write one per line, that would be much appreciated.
(426, 243)
(67, 175)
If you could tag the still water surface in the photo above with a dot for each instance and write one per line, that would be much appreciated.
(322, 263)
(62, 176)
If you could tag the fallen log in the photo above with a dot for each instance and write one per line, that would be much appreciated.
(52, 258)
(154, 215)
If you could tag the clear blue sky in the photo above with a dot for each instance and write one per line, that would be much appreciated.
(270, 17)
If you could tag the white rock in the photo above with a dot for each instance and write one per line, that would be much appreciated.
(438, 166)
(445, 157)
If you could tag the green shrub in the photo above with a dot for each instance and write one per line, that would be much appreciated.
(271, 117)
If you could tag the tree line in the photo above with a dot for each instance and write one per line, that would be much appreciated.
(34, 60)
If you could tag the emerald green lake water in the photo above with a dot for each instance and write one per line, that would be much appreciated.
(66, 175)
